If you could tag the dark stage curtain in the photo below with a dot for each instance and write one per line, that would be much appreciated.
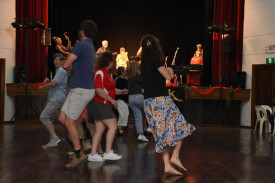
(176, 23)
(232, 12)
(207, 48)
(36, 63)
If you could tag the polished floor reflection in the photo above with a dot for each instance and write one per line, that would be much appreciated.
(211, 154)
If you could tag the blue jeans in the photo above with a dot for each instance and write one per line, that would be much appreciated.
(136, 103)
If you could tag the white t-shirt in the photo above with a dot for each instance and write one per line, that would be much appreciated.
(122, 59)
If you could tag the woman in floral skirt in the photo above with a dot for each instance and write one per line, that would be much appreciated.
(169, 127)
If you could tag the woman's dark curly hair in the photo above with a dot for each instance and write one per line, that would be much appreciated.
(104, 60)
(151, 50)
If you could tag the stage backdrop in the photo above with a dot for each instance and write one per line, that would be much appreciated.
(180, 24)
(37, 54)
(231, 12)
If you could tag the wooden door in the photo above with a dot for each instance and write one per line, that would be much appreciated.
(2, 88)
(263, 87)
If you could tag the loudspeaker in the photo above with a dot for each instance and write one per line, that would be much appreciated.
(20, 74)
(227, 44)
(239, 79)
(46, 35)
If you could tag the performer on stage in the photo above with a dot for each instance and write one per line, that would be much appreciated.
(199, 48)
(82, 90)
(196, 59)
(169, 127)
(122, 58)
(104, 48)
(56, 98)
(62, 49)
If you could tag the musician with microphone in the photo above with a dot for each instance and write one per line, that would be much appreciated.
(104, 48)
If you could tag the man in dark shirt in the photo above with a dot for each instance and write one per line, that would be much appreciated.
(104, 48)
(81, 59)
(122, 101)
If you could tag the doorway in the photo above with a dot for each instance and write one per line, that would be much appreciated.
(2, 88)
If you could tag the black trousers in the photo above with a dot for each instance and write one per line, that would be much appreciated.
(271, 121)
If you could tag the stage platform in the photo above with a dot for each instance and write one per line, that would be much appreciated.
(18, 89)
(197, 107)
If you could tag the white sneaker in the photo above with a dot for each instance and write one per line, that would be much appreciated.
(96, 157)
(142, 138)
(149, 129)
(111, 156)
(52, 143)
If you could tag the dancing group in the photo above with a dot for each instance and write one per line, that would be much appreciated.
(92, 97)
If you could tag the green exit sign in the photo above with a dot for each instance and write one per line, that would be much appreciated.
(269, 60)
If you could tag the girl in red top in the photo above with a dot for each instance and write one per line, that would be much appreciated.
(100, 108)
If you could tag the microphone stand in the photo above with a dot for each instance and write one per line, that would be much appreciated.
(222, 107)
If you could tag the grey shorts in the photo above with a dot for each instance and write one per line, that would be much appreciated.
(76, 101)
(49, 112)
(98, 111)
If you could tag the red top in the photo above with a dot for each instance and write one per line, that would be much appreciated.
(104, 80)
(195, 60)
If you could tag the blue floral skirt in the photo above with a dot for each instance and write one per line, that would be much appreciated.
(166, 121)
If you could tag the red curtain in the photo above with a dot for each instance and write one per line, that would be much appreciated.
(232, 12)
(36, 53)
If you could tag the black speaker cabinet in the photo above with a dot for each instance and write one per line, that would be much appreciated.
(20, 74)
(46, 35)
(239, 80)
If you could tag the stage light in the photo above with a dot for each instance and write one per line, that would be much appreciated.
(17, 25)
(229, 30)
(210, 28)
(39, 24)
(217, 29)
(31, 25)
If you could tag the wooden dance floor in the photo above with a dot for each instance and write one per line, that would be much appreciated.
(211, 154)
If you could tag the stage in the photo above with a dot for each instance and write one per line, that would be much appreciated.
(211, 155)
(204, 101)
